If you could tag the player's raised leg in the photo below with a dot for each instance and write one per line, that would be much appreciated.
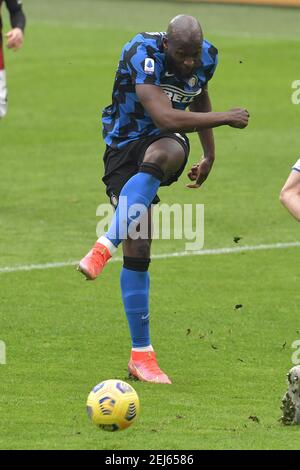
(162, 159)
(140, 189)
(290, 193)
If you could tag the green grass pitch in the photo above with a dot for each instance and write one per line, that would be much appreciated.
(64, 335)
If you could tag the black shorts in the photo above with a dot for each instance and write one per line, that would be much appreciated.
(121, 165)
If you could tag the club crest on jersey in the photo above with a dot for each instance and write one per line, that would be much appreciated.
(193, 81)
(149, 66)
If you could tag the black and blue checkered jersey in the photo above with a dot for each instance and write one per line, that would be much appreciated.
(143, 62)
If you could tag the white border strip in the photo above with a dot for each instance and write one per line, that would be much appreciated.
(215, 251)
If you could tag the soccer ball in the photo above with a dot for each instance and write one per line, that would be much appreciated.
(113, 405)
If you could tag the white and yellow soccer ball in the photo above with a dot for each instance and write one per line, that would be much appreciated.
(113, 405)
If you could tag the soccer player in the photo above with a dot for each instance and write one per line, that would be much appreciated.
(290, 193)
(14, 41)
(158, 77)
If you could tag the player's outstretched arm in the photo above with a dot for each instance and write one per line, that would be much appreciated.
(290, 194)
(158, 105)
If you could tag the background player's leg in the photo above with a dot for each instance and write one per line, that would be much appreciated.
(3, 93)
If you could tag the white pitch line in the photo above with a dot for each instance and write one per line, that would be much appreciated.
(213, 251)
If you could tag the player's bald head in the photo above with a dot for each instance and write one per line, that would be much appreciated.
(183, 45)
(184, 29)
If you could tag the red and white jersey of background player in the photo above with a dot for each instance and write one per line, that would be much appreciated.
(17, 20)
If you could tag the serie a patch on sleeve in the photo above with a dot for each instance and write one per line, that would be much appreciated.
(149, 66)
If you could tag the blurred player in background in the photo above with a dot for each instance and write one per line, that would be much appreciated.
(158, 77)
(14, 41)
(291, 400)
(290, 193)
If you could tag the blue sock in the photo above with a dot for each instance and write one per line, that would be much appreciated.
(140, 189)
(135, 293)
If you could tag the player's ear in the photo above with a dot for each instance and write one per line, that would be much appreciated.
(165, 42)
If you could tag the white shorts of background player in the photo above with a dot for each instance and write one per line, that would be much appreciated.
(3, 94)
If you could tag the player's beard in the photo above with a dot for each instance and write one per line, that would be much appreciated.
(172, 68)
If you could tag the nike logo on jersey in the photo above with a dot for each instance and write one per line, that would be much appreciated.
(168, 74)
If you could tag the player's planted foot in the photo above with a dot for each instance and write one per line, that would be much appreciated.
(291, 400)
(93, 263)
(143, 366)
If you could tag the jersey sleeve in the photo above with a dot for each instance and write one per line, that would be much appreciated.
(143, 66)
(17, 17)
(213, 62)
